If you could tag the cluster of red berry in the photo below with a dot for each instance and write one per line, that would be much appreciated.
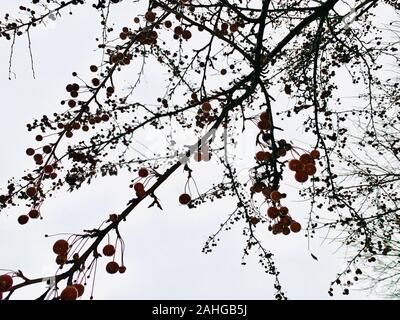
(185, 199)
(304, 166)
(72, 292)
(112, 267)
(33, 214)
(283, 222)
(138, 186)
(60, 248)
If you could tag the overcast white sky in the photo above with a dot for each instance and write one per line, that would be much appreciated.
(163, 254)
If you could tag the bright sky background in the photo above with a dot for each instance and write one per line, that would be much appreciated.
(163, 254)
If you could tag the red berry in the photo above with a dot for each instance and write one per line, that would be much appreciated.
(6, 282)
(143, 172)
(206, 107)
(139, 187)
(122, 269)
(108, 250)
(38, 157)
(272, 212)
(47, 149)
(284, 210)
(254, 220)
(295, 165)
(61, 259)
(150, 16)
(69, 293)
(112, 267)
(286, 220)
(30, 152)
(113, 217)
(48, 168)
(34, 214)
(315, 154)
(23, 219)
(184, 198)
(306, 158)
(186, 34)
(60, 247)
(80, 288)
(277, 228)
(258, 187)
(264, 116)
(31, 192)
(275, 196)
(295, 226)
(301, 176)
(263, 125)
(267, 192)
(261, 156)
(310, 169)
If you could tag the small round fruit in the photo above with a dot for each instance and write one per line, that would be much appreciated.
(150, 16)
(295, 227)
(60, 247)
(275, 195)
(30, 151)
(277, 228)
(295, 165)
(266, 192)
(139, 187)
(286, 221)
(48, 168)
(6, 282)
(143, 172)
(23, 219)
(263, 125)
(264, 116)
(284, 210)
(315, 154)
(113, 217)
(272, 212)
(261, 156)
(31, 192)
(301, 176)
(258, 186)
(254, 220)
(306, 158)
(112, 267)
(184, 198)
(281, 152)
(61, 259)
(34, 214)
(310, 169)
(80, 288)
(206, 107)
(108, 250)
(122, 269)
(69, 293)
